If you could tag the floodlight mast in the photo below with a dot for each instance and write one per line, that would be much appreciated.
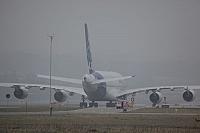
(50, 72)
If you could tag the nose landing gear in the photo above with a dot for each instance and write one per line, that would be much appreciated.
(83, 104)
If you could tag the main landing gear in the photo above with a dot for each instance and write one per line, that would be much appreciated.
(93, 104)
(84, 104)
(110, 104)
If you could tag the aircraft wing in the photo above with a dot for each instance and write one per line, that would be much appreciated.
(69, 80)
(147, 89)
(111, 79)
(65, 88)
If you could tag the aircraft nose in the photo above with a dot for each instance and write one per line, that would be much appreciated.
(88, 78)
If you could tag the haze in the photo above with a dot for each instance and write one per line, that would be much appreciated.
(156, 40)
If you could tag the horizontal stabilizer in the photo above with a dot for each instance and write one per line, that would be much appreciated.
(70, 80)
(111, 79)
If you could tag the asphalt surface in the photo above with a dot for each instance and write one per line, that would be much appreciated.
(99, 110)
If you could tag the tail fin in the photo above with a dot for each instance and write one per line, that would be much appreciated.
(89, 55)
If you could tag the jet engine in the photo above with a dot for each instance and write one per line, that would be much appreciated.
(20, 92)
(188, 95)
(155, 97)
(60, 95)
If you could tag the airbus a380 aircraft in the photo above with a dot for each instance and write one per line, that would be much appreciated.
(98, 86)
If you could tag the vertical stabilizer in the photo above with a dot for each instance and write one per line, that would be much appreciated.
(89, 55)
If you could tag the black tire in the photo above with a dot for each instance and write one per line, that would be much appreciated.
(83, 105)
(95, 104)
(91, 104)
(110, 104)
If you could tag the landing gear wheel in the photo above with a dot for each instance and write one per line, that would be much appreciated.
(110, 104)
(83, 105)
(93, 104)
(96, 105)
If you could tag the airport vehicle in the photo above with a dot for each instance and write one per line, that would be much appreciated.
(98, 86)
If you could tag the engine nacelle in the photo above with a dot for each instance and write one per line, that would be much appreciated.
(60, 95)
(20, 92)
(188, 95)
(155, 97)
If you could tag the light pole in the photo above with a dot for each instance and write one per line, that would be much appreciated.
(50, 65)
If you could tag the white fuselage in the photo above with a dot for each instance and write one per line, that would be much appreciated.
(101, 91)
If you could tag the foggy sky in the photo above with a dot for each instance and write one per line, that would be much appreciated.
(157, 40)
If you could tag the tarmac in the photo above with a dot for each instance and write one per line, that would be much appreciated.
(99, 110)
